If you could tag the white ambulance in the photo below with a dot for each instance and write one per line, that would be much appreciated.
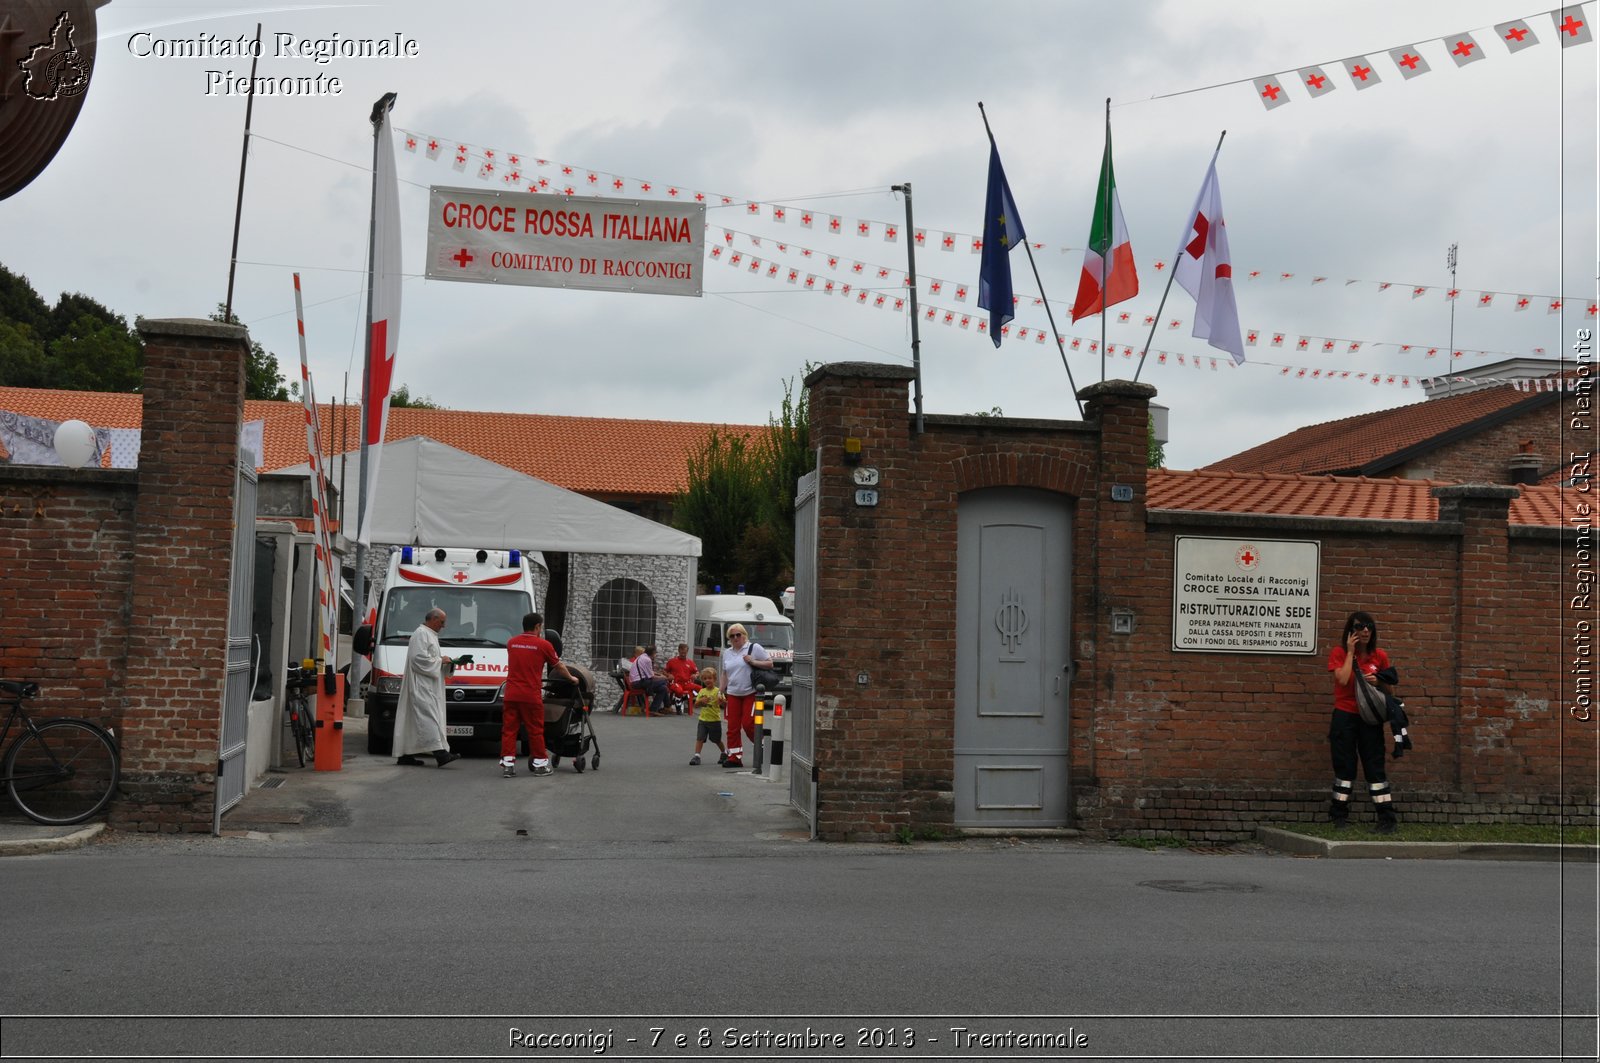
(762, 620)
(484, 594)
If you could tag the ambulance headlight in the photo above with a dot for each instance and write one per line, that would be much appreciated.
(388, 684)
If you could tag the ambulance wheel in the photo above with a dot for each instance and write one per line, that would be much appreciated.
(577, 765)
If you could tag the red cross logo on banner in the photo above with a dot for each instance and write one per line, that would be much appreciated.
(1516, 33)
(1570, 27)
(1271, 92)
(1409, 61)
(1316, 81)
(1463, 49)
(1360, 72)
(462, 257)
(949, 241)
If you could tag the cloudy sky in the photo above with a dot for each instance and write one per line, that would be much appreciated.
(823, 106)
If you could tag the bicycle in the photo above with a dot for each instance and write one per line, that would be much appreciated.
(61, 771)
(302, 716)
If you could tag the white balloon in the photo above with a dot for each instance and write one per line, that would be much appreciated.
(75, 444)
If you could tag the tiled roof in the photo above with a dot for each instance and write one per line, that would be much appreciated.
(1365, 442)
(604, 456)
(1277, 494)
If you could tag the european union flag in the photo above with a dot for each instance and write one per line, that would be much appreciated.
(1002, 230)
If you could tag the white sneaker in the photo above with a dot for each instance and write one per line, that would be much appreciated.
(542, 768)
(694, 759)
(508, 769)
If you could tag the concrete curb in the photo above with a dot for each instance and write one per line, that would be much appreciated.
(1305, 845)
(33, 846)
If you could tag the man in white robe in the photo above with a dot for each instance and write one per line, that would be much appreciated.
(419, 714)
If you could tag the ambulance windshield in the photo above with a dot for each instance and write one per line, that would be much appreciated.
(473, 617)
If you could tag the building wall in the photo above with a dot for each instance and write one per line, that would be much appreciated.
(667, 578)
(116, 597)
(1485, 457)
(1204, 745)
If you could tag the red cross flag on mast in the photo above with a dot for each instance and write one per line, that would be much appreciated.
(1204, 268)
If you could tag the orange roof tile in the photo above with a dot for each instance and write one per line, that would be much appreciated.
(609, 456)
(1297, 495)
(1371, 443)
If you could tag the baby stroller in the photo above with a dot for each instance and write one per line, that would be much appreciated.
(568, 731)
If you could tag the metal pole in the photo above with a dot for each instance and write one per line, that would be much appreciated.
(238, 204)
(1042, 297)
(1450, 383)
(1105, 252)
(380, 112)
(911, 282)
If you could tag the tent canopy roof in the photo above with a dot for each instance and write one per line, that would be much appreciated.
(435, 495)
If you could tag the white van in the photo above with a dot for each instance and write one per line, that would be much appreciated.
(485, 594)
(762, 619)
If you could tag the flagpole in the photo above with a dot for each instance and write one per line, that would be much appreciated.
(1042, 297)
(911, 281)
(380, 113)
(238, 204)
(1171, 276)
(1105, 252)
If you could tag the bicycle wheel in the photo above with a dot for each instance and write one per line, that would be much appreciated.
(305, 737)
(63, 772)
(300, 728)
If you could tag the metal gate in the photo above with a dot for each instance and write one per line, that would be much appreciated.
(231, 779)
(802, 698)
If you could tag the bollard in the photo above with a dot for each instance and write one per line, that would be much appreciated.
(330, 722)
(758, 716)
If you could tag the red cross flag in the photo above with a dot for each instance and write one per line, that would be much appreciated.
(1463, 49)
(1571, 26)
(1317, 82)
(1522, 303)
(1204, 269)
(1554, 307)
(1269, 90)
(1516, 35)
(1409, 61)
(1362, 76)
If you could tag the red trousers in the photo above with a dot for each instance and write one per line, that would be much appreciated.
(529, 714)
(740, 714)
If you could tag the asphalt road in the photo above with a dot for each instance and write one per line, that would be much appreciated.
(652, 895)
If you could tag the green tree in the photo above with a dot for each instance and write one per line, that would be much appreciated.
(262, 377)
(22, 356)
(93, 354)
(20, 304)
(401, 397)
(1155, 453)
(783, 454)
(722, 500)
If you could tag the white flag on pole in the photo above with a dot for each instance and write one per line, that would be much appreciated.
(1204, 267)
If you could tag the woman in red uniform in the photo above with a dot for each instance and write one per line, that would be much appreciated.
(1357, 660)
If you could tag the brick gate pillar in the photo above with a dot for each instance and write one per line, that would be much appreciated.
(183, 550)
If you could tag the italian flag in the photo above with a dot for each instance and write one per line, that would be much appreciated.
(1109, 250)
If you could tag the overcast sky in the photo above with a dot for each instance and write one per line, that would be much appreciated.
(824, 106)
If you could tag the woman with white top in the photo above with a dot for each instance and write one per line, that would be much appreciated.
(738, 687)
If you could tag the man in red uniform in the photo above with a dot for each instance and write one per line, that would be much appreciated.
(681, 671)
(526, 657)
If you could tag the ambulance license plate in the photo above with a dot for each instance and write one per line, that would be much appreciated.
(459, 731)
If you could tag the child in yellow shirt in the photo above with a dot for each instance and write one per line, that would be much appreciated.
(708, 705)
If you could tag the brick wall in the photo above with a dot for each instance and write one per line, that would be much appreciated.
(1203, 745)
(116, 598)
(66, 548)
(1485, 456)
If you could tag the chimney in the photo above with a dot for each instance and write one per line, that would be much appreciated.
(1524, 465)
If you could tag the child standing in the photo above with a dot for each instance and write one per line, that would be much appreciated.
(708, 703)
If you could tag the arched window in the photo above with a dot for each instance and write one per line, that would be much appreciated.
(624, 616)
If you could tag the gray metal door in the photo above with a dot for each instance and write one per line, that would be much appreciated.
(802, 698)
(231, 779)
(1013, 658)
